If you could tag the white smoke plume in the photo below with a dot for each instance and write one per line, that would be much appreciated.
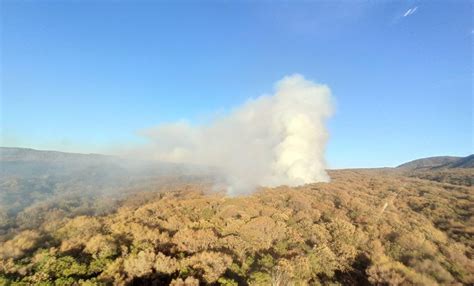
(270, 140)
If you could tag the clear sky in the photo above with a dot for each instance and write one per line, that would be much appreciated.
(87, 76)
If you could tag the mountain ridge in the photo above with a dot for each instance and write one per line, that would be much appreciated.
(30, 154)
(439, 162)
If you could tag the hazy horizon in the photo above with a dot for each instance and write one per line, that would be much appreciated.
(328, 168)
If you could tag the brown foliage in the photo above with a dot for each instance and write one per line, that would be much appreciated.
(366, 226)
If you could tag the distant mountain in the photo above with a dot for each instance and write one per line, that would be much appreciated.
(465, 162)
(24, 162)
(26, 154)
(440, 162)
(29, 177)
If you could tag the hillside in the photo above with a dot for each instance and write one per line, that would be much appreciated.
(27, 154)
(430, 162)
(444, 169)
(466, 162)
(365, 227)
(439, 162)
(23, 162)
(31, 178)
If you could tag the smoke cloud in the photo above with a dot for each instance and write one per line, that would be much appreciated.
(270, 140)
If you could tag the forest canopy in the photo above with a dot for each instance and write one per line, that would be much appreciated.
(365, 227)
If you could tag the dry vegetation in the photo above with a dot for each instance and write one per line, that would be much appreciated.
(365, 227)
(458, 176)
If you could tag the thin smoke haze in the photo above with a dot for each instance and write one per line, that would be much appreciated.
(270, 140)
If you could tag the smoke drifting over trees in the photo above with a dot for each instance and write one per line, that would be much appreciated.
(271, 140)
(365, 227)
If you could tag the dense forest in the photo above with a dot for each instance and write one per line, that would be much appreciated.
(365, 227)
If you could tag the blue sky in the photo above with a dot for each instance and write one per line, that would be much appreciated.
(88, 76)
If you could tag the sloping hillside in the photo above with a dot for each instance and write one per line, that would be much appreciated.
(444, 169)
(27, 154)
(365, 227)
(466, 162)
(31, 177)
(429, 162)
(440, 162)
